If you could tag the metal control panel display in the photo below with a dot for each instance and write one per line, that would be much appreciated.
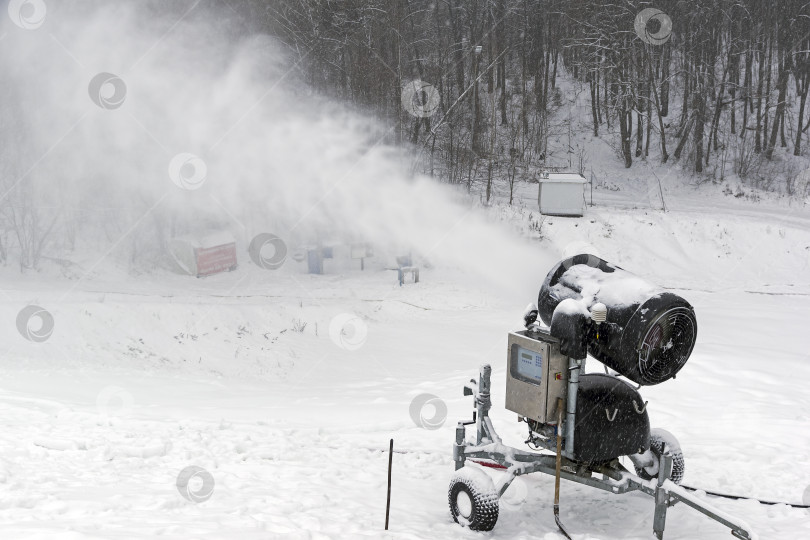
(529, 365)
(537, 374)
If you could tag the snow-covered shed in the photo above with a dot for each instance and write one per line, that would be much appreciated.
(561, 194)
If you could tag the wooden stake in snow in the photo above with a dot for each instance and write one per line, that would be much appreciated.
(388, 501)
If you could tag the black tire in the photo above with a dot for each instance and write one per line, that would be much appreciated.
(663, 442)
(473, 499)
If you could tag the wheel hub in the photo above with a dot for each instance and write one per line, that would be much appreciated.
(464, 504)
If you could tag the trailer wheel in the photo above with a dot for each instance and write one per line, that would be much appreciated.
(473, 499)
(663, 442)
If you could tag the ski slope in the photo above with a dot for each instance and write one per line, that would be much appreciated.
(283, 389)
(145, 376)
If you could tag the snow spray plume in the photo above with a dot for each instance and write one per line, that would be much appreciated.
(136, 121)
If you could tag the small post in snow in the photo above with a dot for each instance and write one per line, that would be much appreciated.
(388, 501)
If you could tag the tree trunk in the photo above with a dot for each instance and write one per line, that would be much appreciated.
(625, 127)
(684, 137)
(718, 108)
(594, 101)
(685, 104)
(802, 85)
(649, 121)
(700, 120)
(747, 101)
(458, 44)
(781, 86)
(766, 111)
(500, 72)
(665, 60)
(760, 77)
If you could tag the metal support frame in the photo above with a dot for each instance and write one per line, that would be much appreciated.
(613, 477)
(661, 496)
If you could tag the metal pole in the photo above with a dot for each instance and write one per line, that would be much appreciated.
(571, 409)
(661, 496)
(484, 402)
(390, 462)
(557, 467)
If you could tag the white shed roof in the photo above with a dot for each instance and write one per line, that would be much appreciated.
(564, 177)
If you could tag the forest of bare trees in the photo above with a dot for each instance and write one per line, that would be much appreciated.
(482, 93)
(693, 79)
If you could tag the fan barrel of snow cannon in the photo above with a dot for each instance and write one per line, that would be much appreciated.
(648, 334)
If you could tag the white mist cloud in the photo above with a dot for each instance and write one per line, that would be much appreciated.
(276, 158)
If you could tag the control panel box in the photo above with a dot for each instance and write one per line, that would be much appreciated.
(536, 375)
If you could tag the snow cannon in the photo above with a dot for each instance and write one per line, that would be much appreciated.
(580, 425)
(639, 330)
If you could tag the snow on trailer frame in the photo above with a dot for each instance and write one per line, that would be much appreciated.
(490, 451)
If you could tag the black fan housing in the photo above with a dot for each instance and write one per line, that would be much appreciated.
(649, 333)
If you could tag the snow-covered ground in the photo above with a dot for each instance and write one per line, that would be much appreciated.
(146, 376)
(259, 404)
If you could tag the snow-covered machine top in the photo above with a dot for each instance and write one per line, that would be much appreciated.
(648, 333)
